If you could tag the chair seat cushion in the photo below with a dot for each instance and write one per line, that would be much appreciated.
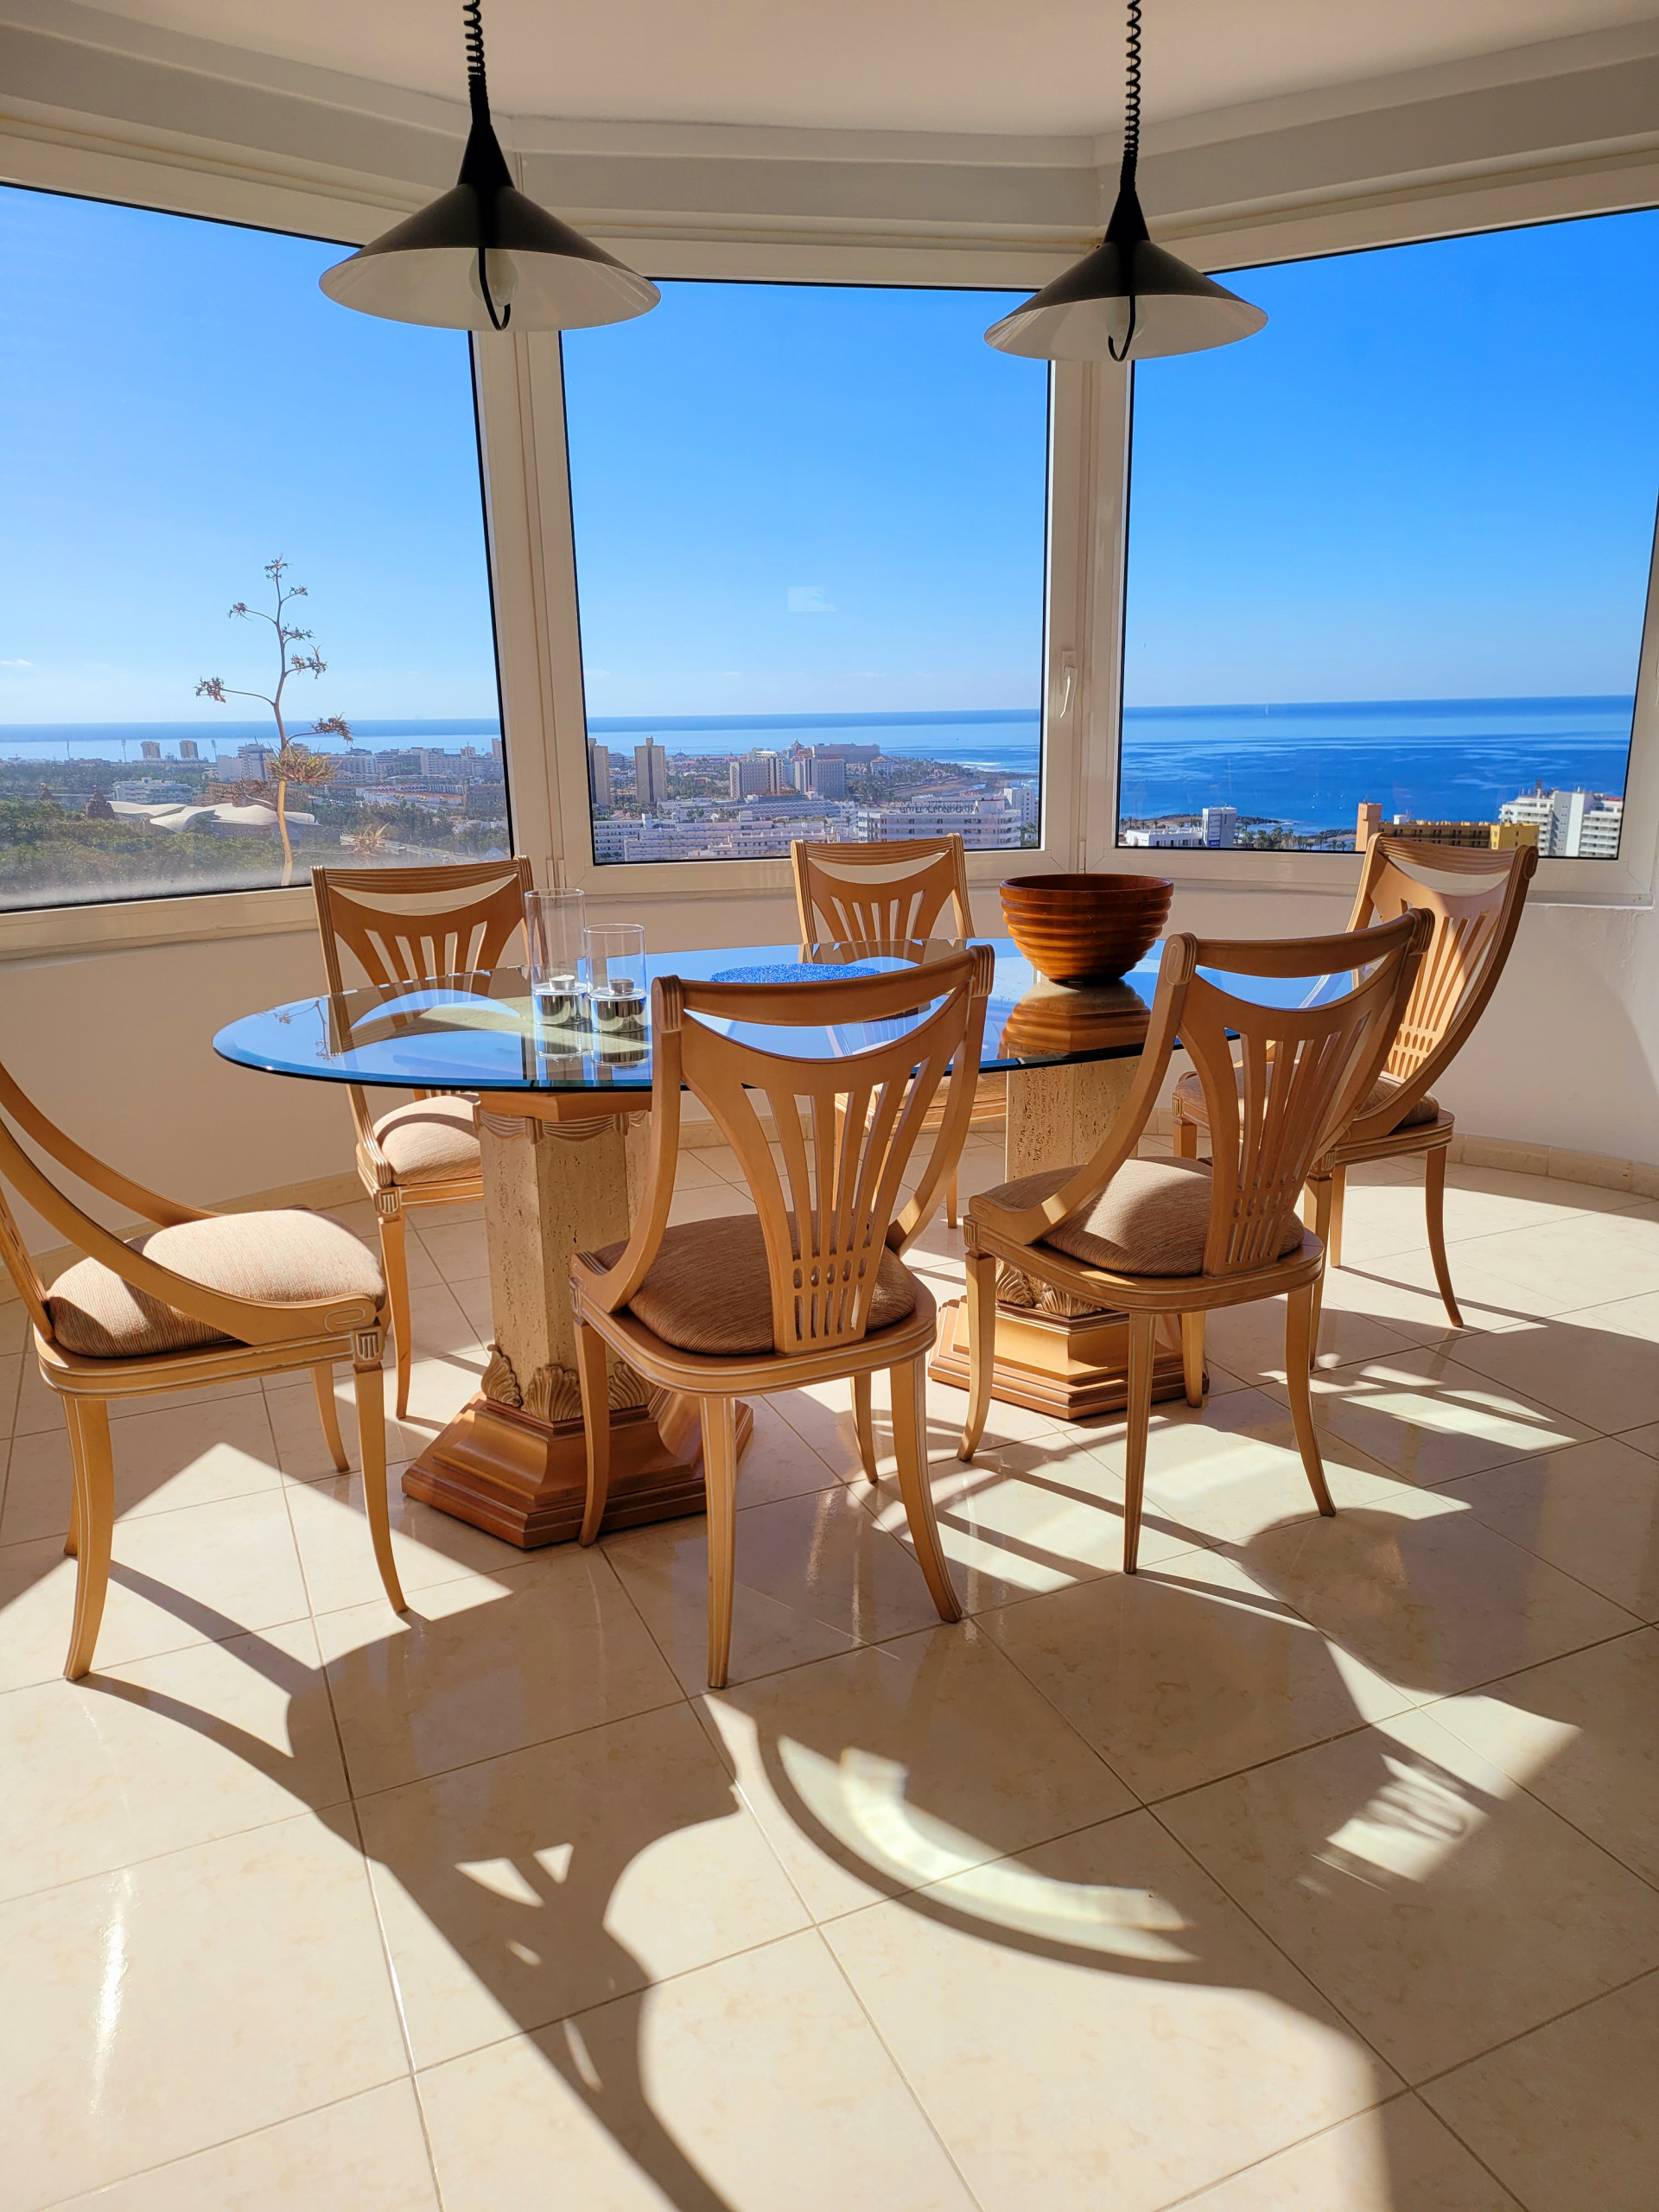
(708, 1289)
(1189, 1091)
(1152, 1218)
(282, 1258)
(430, 1140)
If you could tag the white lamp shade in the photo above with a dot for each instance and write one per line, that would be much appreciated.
(1177, 309)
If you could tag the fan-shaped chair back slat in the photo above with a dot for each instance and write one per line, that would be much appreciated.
(884, 894)
(829, 1197)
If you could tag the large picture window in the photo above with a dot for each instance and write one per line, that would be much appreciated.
(1388, 559)
(809, 529)
(188, 426)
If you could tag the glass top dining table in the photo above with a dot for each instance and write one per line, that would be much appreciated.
(483, 1032)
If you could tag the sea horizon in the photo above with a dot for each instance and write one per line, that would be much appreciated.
(1306, 764)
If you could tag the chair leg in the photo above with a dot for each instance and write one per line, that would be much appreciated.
(1300, 1319)
(1187, 1138)
(720, 1475)
(89, 1448)
(322, 1381)
(1320, 1191)
(1192, 1357)
(910, 1442)
(71, 1541)
(596, 1425)
(981, 1348)
(395, 1262)
(950, 1209)
(864, 1421)
(1434, 1201)
(1137, 1412)
(1333, 1241)
(372, 1450)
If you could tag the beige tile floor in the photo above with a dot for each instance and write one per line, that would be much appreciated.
(1316, 1868)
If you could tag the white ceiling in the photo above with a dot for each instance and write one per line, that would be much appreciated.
(1028, 66)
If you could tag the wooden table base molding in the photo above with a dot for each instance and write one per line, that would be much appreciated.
(525, 1480)
(1070, 1367)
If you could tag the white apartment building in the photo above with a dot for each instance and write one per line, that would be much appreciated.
(1570, 825)
(1027, 802)
(1181, 836)
(599, 773)
(1220, 826)
(984, 824)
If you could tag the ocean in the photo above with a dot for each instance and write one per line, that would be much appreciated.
(1305, 766)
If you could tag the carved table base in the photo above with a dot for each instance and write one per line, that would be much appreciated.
(560, 1173)
(1052, 1356)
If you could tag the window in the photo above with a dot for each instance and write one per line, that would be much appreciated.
(180, 408)
(1388, 559)
(809, 530)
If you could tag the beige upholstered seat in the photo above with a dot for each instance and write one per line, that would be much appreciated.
(1190, 1093)
(285, 1258)
(1150, 1219)
(709, 1288)
(430, 1141)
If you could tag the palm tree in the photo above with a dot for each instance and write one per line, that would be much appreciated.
(295, 764)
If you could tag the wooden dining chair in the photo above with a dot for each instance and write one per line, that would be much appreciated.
(893, 894)
(1476, 909)
(1184, 1237)
(202, 1297)
(400, 925)
(810, 1286)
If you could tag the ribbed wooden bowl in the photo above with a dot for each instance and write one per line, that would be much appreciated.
(1086, 929)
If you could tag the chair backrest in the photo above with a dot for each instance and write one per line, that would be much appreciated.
(1473, 930)
(846, 1125)
(399, 925)
(1306, 1067)
(880, 894)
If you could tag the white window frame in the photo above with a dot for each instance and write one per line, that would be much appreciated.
(538, 621)
(1408, 218)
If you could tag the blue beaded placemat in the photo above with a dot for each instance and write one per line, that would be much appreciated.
(790, 971)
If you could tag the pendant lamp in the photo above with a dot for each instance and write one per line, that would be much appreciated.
(1129, 298)
(483, 256)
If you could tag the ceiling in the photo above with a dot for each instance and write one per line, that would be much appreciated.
(1025, 67)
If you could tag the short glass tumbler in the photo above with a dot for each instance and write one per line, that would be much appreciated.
(613, 965)
(553, 927)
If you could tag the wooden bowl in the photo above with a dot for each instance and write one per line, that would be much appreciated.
(1086, 929)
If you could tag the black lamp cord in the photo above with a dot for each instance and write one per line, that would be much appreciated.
(1131, 145)
(477, 92)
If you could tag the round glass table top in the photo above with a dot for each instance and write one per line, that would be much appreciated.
(485, 1031)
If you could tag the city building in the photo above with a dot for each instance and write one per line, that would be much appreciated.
(1478, 837)
(599, 775)
(984, 823)
(149, 749)
(1569, 825)
(1168, 837)
(1219, 825)
(755, 776)
(1026, 799)
(152, 791)
(823, 774)
(650, 775)
(189, 749)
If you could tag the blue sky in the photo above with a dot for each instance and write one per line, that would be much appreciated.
(801, 497)
(179, 402)
(1432, 475)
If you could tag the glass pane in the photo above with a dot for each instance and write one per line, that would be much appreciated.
(1388, 559)
(811, 524)
(180, 408)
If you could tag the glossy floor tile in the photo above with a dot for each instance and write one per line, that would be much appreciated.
(1314, 1867)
